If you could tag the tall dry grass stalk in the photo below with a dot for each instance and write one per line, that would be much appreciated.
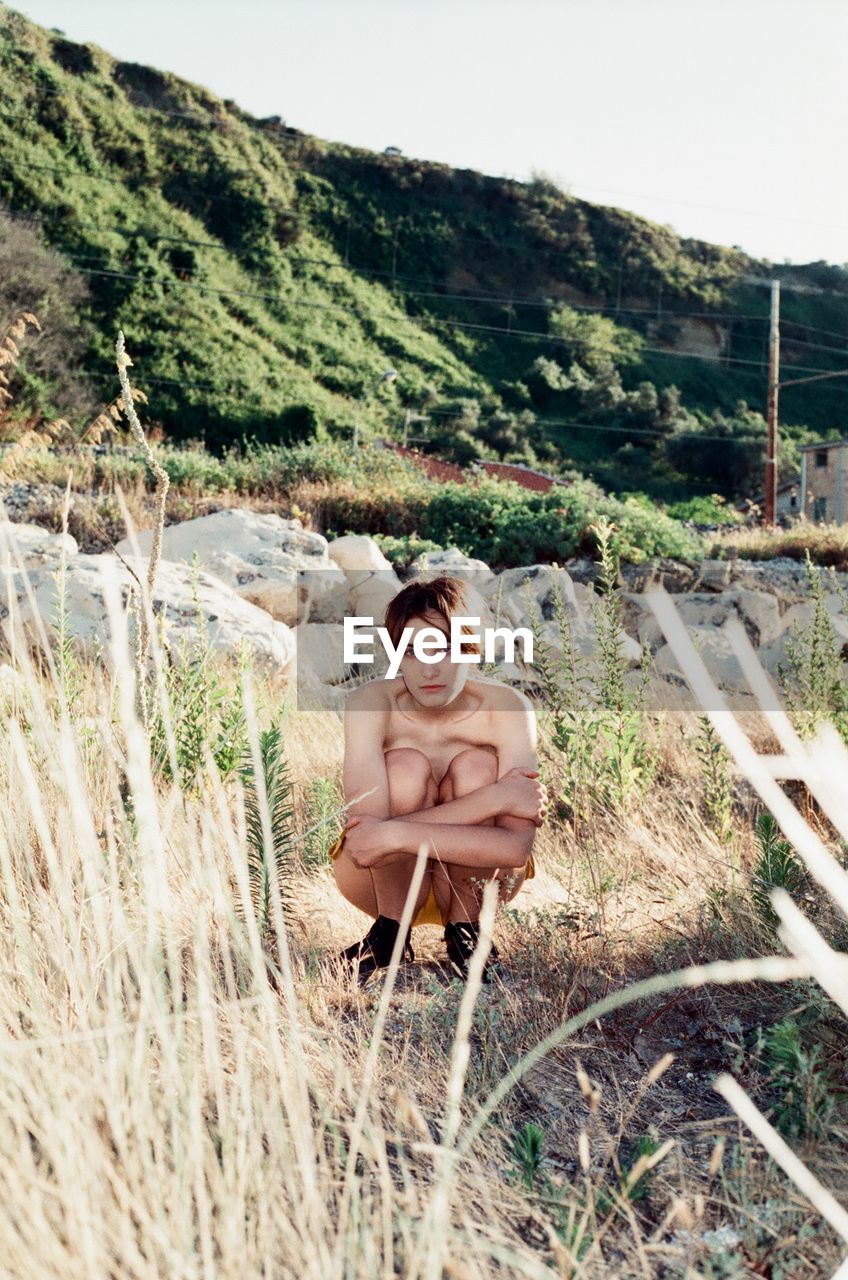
(822, 765)
(161, 496)
(165, 1109)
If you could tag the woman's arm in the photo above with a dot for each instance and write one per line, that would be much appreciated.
(364, 768)
(484, 847)
(509, 842)
(517, 791)
(450, 831)
(372, 842)
(517, 750)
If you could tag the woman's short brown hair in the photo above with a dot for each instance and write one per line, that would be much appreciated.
(446, 596)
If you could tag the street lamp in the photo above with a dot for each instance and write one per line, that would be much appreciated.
(388, 375)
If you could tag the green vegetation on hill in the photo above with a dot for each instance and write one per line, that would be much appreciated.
(265, 279)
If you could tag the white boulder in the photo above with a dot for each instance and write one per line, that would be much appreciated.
(714, 647)
(355, 553)
(758, 611)
(507, 594)
(371, 578)
(229, 620)
(796, 620)
(320, 654)
(453, 563)
(32, 546)
(584, 642)
(269, 561)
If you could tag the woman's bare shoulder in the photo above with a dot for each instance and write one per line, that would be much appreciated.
(502, 697)
(373, 695)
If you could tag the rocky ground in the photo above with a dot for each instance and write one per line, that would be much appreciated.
(265, 582)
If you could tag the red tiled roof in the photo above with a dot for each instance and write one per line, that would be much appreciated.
(525, 476)
(437, 469)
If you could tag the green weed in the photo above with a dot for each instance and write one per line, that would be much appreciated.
(777, 867)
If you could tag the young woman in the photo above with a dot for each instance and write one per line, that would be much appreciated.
(449, 758)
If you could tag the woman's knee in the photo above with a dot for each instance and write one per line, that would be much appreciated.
(411, 782)
(471, 769)
(356, 884)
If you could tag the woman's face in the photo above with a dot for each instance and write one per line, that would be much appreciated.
(432, 684)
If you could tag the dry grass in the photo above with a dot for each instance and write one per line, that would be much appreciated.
(165, 1110)
(826, 543)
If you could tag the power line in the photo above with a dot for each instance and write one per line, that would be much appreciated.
(630, 431)
(415, 321)
(493, 300)
(814, 346)
(809, 328)
(425, 320)
(177, 382)
(420, 320)
(481, 240)
(539, 422)
(482, 299)
(489, 299)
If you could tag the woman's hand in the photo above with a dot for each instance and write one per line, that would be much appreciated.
(523, 795)
(368, 839)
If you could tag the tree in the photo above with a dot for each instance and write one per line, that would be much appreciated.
(35, 278)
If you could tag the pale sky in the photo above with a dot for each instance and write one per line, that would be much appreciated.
(726, 119)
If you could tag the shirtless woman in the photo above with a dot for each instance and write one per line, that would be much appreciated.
(450, 761)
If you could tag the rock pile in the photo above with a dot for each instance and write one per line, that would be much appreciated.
(284, 591)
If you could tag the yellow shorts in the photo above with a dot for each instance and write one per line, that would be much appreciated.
(429, 913)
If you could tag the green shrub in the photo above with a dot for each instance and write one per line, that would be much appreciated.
(777, 867)
(270, 860)
(599, 719)
(527, 1153)
(717, 794)
(813, 684)
(705, 509)
(804, 1102)
(403, 550)
(323, 822)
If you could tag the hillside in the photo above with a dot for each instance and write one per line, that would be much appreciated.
(265, 279)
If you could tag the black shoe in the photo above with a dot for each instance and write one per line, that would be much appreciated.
(374, 951)
(461, 937)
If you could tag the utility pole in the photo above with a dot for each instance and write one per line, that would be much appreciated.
(410, 417)
(771, 411)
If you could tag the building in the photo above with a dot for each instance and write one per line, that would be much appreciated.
(788, 503)
(824, 482)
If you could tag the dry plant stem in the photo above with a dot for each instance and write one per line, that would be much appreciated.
(371, 1062)
(306, 1144)
(721, 972)
(439, 1206)
(823, 765)
(815, 760)
(155, 650)
(805, 1181)
(162, 484)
